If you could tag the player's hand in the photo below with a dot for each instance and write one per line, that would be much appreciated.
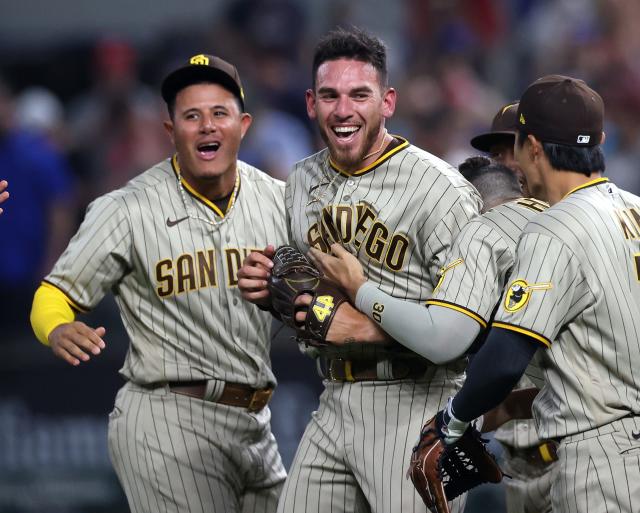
(342, 268)
(75, 341)
(348, 325)
(4, 194)
(253, 275)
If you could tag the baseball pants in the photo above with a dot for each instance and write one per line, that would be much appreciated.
(599, 470)
(354, 454)
(528, 490)
(174, 453)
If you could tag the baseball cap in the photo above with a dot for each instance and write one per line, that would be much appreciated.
(504, 125)
(562, 110)
(200, 68)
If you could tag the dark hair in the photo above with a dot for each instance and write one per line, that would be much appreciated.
(353, 44)
(492, 180)
(171, 104)
(579, 159)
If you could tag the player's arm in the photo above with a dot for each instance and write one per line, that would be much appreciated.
(493, 372)
(53, 322)
(436, 333)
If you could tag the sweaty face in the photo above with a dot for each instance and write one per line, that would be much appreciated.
(503, 153)
(350, 106)
(206, 129)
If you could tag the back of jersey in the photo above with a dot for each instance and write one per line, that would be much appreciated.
(576, 289)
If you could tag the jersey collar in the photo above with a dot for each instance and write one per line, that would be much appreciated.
(385, 156)
(590, 183)
(192, 192)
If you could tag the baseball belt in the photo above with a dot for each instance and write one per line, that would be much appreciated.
(233, 394)
(369, 369)
(539, 455)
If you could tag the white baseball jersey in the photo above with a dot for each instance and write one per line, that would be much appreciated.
(477, 269)
(398, 216)
(575, 289)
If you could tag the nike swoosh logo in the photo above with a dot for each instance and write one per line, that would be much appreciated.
(173, 223)
(314, 187)
(636, 436)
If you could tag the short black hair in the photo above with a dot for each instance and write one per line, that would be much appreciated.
(490, 178)
(354, 44)
(579, 159)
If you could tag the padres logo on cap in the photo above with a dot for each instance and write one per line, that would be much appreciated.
(199, 59)
(522, 121)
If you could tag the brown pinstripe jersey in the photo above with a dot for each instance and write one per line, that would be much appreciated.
(478, 267)
(174, 275)
(575, 289)
(398, 216)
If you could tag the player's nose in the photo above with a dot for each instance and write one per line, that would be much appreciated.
(343, 107)
(207, 124)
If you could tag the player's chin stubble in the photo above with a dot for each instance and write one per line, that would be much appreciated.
(345, 157)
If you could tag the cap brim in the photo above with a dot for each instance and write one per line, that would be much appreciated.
(188, 75)
(484, 142)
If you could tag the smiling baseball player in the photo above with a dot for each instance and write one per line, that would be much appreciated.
(190, 429)
(398, 209)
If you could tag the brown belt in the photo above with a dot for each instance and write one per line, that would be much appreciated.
(540, 455)
(233, 394)
(340, 369)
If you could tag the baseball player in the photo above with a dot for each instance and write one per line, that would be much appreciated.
(397, 208)
(572, 301)
(4, 193)
(190, 428)
(527, 459)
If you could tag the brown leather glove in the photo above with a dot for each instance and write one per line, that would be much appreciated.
(442, 472)
(292, 274)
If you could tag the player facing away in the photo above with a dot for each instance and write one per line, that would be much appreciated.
(528, 460)
(190, 429)
(573, 302)
(397, 208)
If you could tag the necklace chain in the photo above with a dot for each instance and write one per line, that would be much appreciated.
(231, 204)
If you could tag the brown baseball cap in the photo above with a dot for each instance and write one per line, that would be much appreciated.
(203, 68)
(562, 110)
(503, 128)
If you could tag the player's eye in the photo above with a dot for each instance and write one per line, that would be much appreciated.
(190, 116)
(219, 113)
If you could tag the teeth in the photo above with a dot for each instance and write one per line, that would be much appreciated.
(209, 147)
(346, 129)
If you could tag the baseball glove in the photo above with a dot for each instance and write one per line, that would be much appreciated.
(442, 472)
(292, 275)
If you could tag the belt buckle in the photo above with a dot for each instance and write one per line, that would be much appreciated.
(259, 399)
(547, 452)
(348, 373)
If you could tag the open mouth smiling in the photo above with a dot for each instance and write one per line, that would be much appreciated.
(208, 149)
(344, 132)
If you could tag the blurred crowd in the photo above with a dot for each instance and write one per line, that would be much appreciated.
(81, 118)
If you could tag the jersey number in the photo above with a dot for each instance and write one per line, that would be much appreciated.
(377, 311)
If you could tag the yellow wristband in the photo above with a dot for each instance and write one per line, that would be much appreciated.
(50, 309)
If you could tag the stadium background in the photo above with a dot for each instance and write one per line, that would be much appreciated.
(83, 77)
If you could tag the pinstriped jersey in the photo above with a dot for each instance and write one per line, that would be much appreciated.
(575, 289)
(478, 267)
(174, 274)
(398, 216)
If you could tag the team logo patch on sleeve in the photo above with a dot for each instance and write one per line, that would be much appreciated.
(519, 293)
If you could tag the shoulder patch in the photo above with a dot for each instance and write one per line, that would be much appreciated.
(519, 293)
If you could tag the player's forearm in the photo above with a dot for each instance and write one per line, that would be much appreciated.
(350, 325)
(436, 333)
(493, 372)
(50, 309)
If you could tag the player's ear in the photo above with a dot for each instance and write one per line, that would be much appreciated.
(310, 98)
(603, 138)
(168, 126)
(534, 147)
(389, 102)
(245, 123)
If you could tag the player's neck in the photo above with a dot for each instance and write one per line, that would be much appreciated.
(561, 183)
(213, 188)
